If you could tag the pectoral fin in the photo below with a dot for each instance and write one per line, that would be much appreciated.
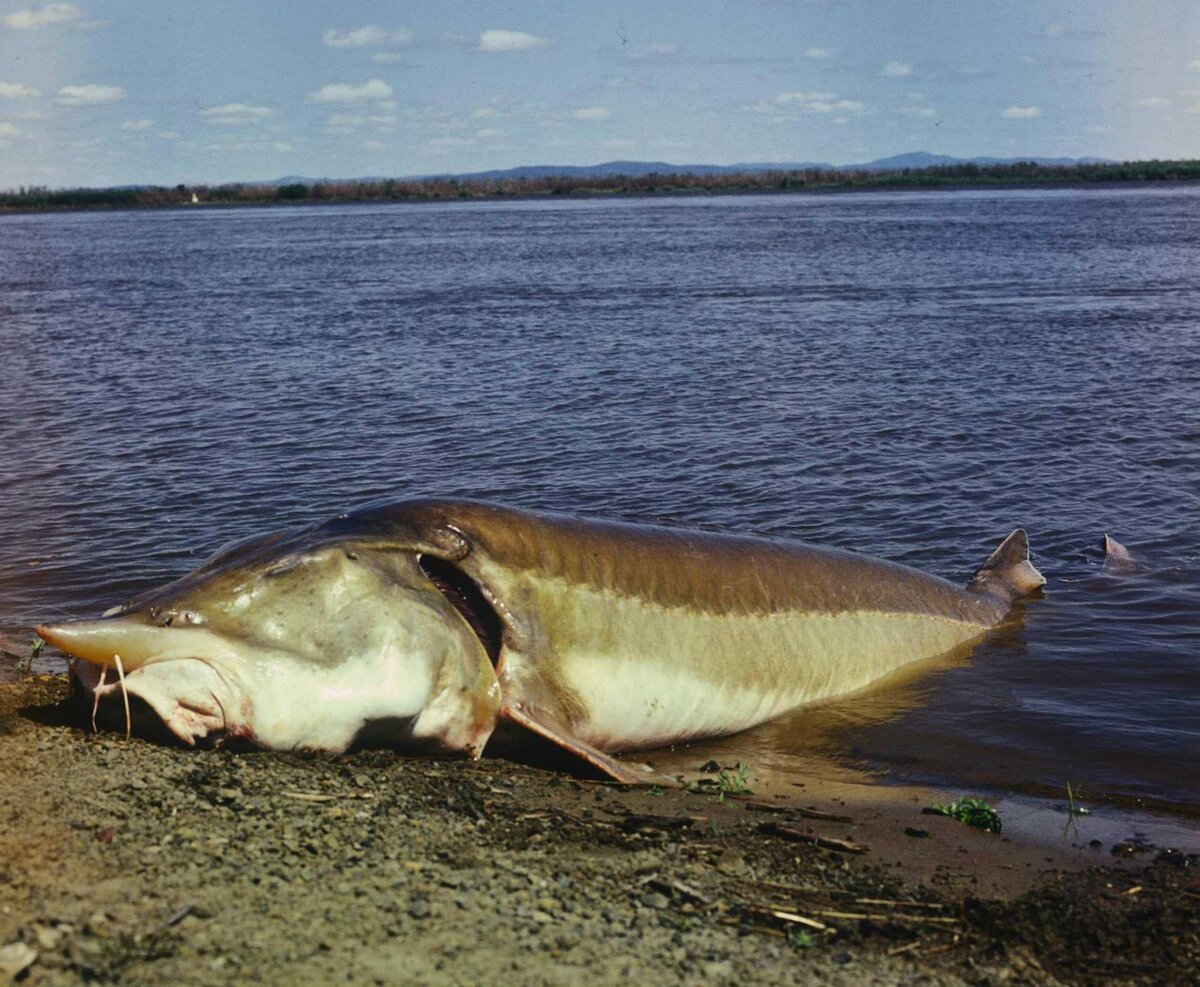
(626, 772)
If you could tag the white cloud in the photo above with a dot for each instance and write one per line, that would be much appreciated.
(281, 146)
(9, 130)
(835, 106)
(1054, 30)
(374, 91)
(593, 113)
(1152, 101)
(489, 133)
(137, 125)
(1021, 112)
(348, 121)
(484, 113)
(897, 70)
(44, 16)
(369, 36)
(801, 97)
(387, 57)
(236, 114)
(819, 54)
(89, 95)
(814, 103)
(372, 145)
(169, 135)
(496, 40)
(15, 90)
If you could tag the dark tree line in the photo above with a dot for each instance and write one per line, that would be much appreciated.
(432, 189)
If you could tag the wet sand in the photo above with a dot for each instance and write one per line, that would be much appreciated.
(137, 863)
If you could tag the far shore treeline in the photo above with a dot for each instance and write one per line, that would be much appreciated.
(965, 174)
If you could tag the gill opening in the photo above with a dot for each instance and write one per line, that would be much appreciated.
(464, 594)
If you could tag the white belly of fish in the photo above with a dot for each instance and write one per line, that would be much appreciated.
(649, 675)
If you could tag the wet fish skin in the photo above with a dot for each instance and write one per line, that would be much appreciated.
(447, 621)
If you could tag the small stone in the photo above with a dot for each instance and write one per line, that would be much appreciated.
(915, 832)
(419, 908)
(732, 863)
(655, 900)
(48, 939)
(15, 959)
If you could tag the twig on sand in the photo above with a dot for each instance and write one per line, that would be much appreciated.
(757, 805)
(799, 836)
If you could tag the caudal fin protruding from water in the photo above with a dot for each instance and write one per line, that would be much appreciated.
(1008, 571)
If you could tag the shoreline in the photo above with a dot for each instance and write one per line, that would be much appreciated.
(142, 863)
(585, 195)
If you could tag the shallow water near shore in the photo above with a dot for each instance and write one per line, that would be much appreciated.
(908, 375)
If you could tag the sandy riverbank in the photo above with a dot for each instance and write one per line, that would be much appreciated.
(130, 862)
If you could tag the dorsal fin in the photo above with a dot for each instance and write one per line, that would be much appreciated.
(1115, 551)
(1008, 571)
(1117, 558)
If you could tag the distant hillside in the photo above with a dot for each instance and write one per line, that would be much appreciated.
(613, 179)
(641, 169)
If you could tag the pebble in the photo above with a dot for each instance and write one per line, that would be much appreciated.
(49, 939)
(419, 908)
(15, 959)
(655, 900)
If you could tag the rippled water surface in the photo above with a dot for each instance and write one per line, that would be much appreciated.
(909, 375)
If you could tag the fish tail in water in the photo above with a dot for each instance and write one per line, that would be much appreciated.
(1008, 573)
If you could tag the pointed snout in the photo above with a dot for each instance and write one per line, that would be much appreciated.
(135, 642)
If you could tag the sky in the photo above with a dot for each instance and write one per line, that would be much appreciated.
(109, 92)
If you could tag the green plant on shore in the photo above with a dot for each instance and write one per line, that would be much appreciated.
(734, 782)
(973, 812)
(801, 939)
(1073, 794)
(25, 666)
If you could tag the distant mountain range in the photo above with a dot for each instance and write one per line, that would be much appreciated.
(634, 169)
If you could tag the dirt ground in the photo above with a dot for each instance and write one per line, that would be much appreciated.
(134, 862)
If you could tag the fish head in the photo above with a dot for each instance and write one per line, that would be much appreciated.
(310, 640)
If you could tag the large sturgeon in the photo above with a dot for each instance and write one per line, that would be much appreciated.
(436, 622)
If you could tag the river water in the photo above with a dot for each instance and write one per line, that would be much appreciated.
(911, 375)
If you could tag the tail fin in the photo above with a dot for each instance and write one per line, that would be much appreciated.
(1008, 572)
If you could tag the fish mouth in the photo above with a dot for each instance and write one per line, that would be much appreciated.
(184, 693)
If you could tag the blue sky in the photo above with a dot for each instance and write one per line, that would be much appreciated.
(101, 92)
